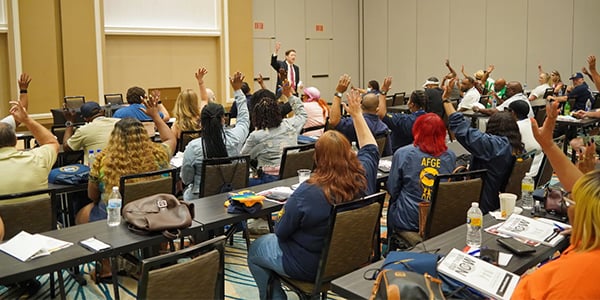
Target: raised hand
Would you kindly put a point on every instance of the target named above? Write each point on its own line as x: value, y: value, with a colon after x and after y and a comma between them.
x: 354, y: 99
x: 543, y: 135
x: 277, y: 47
x: 236, y: 80
x: 286, y: 88
x: 447, y: 63
x: 591, y: 60
x: 343, y: 83
x: 490, y: 68
x: 70, y: 114
x: 151, y: 105
x: 200, y: 75
x: 448, y: 88
x: 18, y: 112
x: 587, y: 157
x: 584, y: 70
x: 24, y: 81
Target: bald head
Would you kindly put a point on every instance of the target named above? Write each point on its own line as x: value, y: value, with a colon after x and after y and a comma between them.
x: 499, y: 84
x: 370, y: 103
x: 513, y: 88
x: 8, y: 138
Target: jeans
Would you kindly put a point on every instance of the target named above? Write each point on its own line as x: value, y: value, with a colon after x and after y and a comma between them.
x: 264, y: 258
x: 265, y: 178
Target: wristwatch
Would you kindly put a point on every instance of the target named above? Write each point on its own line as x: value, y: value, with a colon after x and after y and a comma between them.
x: 338, y: 94
x: 68, y: 124
x: 446, y: 101
x: 383, y: 92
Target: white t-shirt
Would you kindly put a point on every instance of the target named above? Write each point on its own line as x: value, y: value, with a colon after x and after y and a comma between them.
x: 530, y: 145
x: 538, y: 92
x: 516, y: 97
x: 470, y: 98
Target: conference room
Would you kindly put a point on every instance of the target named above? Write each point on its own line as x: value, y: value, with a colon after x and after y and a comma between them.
x: 100, y: 49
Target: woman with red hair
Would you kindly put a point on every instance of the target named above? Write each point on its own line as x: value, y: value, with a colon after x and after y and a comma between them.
x: 413, y: 170
x: 340, y: 176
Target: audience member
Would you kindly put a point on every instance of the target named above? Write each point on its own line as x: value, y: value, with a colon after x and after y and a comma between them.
x: 217, y: 140
x: 340, y: 176
x: 433, y: 93
x: 135, y: 97
x: 485, y: 83
x: 372, y: 88
x: 471, y: 95
x: 537, y: 94
x: 514, y: 92
x: 187, y: 107
x: 413, y: 170
x: 520, y: 110
x: 572, y: 275
x: 272, y: 133
x: 292, y: 71
x: 400, y: 124
x: 455, y: 89
x: 23, y: 81
x: 92, y: 136
x: 493, y: 150
x: 129, y: 151
x: 233, y: 112
x: 499, y: 91
x: 372, y: 114
x: 555, y: 81
x: 581, y: 92
x: 316, y: 109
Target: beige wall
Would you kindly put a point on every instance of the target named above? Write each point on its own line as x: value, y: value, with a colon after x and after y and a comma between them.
x: 5, y: 94
x: 240, y: 39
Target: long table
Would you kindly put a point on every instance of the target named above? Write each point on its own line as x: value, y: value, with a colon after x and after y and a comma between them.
x: 354, y: 286
x: 210, y: 213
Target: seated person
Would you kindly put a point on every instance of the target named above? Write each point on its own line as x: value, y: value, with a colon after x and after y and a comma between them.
x: 471, y: 95
x: 572, y: 275
x: 493, y: 150
x: 220, y: 141
x: 514, y: 92
x: 129, y: 151
x: 537, y: 94
x: 372, y: 114
x: 316, y: 109
x: 401, y: 124
x: 519, y: 110
x: 340, y: 176
x: 272, y: 133
x: 413, y: 170
x: 135, y: 97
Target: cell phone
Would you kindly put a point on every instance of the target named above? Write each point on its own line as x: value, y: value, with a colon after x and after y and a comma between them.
x: 94, y: 245
x: 515, y: 246
x: 489, y: 255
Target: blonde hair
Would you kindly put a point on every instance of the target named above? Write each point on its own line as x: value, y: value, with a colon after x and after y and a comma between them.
x: 129, y: 151
x: 586, y: 223
x: 187, y: 111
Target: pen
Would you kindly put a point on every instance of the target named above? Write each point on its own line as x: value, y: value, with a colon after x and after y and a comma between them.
x: 559, y: 227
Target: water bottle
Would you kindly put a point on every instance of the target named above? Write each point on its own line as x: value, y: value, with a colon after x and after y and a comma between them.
x: 567, y: 109
x: 474, y: 226
x: 527, y: 187
x: 354, y: 148
x: 113, y: 209
x: 588, y: 105
x: 91, y: 158
x: 494, y: 102
x: 525, y: 89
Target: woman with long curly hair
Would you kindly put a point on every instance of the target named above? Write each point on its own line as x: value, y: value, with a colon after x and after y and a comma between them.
x: 272, y: 133
x: 340, y: 176
x: 129, y: 151
x: 494, y: 150
x: 413, y: 168
x: 574, y: 274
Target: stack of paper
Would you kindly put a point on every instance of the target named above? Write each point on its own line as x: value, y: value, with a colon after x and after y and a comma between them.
x: 491, y: 280
x: 542, y: 231
x: 25, y: 246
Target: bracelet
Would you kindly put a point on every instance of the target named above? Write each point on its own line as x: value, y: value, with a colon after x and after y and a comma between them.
x: 338, y: 94
x: 159, y: 102
x: 22, y: 91
x: 446, y: 101
x: 384, y: 93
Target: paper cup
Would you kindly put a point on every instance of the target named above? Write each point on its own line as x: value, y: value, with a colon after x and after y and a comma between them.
x: 303, y: 175
x: 507, y: 204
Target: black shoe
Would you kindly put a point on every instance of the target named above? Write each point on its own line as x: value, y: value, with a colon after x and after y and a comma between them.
x: 30, y: 287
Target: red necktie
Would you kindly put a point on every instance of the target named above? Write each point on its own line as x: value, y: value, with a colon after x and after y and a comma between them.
x: 292, y: 77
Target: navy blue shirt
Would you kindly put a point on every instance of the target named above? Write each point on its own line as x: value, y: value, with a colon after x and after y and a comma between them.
x: 346, y: 126
x: 491, y: 152
x: 302, y: 228
x: 581, y: 93
x: 401, y: 126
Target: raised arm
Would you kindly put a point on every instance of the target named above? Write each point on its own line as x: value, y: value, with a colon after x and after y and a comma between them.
x: 462, y: 70
x: 300, y: 115
x: 261, y: 82
x: 166, y: 135
x: 335, y: 113
x: 42, y: 135
x: 274, y: 62
x: 486, y: 74
x: 203, y: 93
x: 161, y: 108
x: 24, y: 81
x: 593, y: 72
x: 363, y: 133
x: 566, y: 171
x: 385, y: 88
x: 242, y: 124
x: 450, y: 68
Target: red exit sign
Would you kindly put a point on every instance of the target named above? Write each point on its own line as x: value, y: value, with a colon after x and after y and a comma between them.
x: 259, y: 25
x: 319, y: 28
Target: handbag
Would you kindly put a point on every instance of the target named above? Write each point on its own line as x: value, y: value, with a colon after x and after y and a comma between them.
x: 555, y: 203
x: 159, y: 213
x: 396, y: 285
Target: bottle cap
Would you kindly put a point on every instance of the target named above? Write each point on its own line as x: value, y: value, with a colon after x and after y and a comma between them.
x: 474, y: 204
x: 90, y: 151
x: 115, y: 188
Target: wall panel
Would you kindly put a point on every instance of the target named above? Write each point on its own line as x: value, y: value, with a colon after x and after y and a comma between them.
x: 376, y: 41
x: 401, y: 61
x: 467, y: 35
x: 345, y: 42
x: 432, y: 39
x: 585, y: 34
x: 4, y: 76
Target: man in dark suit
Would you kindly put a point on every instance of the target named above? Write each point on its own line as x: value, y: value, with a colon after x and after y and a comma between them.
x: 292, y: 71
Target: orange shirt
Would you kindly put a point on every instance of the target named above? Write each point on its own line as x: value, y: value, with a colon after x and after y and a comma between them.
x: 574, y: 275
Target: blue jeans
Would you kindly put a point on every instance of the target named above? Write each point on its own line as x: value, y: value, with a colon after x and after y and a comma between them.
x: 265, y: 178
x: 264, y: 258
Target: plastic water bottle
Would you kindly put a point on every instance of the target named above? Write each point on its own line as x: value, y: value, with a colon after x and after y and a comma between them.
x: 525, y: 89
x: 527, y: 187
x: 567, y: 109
x: 113, y: 209
x: 91, y: 158
x: 494, y: 102
x: 474, y: 226
x: 588, y: 105
x: 354, y: 148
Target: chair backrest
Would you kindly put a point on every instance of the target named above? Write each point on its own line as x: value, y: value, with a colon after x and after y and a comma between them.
x: 381, y: 140
x: 35, y: 213
x: 450, y: 200
x: 389, y: 100
x: 150, y: 128
x: 185, y: 137
x: 349, y: 241
x: 296, y: 157
x: 312, y: 128
x: 136, y: 186
x: 521, y: 165
x: 74, y: 102
x: 596, y: 101
x: 113, y: 99
x: 540, y: 115
x: 546, y: 170
x: 163, y: 277
x: 399, y: 98
x: 58, y: 117
x: 224, y: 173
